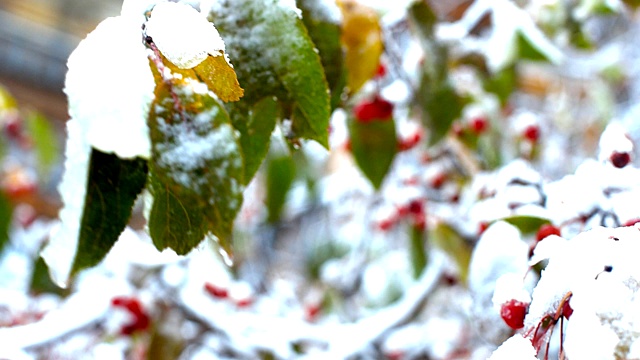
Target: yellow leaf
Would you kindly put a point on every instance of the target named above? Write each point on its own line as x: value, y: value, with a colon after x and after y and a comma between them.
x: 362, y: 39
x: 220, y: 77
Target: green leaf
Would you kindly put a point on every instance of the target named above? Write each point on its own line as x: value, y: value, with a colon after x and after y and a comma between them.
x: 417, y: 251
x: 301, y: 128
x: 527, y: 50
x: 502, y: 83
x: 441, y: 105
x: 6, y: 211
x: 526, y: 224
x: 451, y: 242
x: 112, y: 187
x: 280, y: 173
x: 45, y: 141
x: 325, y: 34
x: 423, y: 17
x: 255, y: 125
x: 374, y: 145
x: 41, y: 280
x: 196, y: 168
x: 274, y: 56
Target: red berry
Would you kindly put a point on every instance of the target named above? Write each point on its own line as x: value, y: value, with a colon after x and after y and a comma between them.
x: 216, y: 291
x: 244, y: 302
x: 546, y: 230
x: 419, y: 222
x: 382, y: 71
x: 416, y: 207
x: 532, y: 133
x: 479, y: 125
x: 395, y: 355
x: 482, y: 227
x: 376, y: 109
x: 13, y: 128
x: 438, y: 180
x: 410, y: 142
x: 513, y: 313
x: 620, y: 160
x: 141, y: 320
x: 311, y: 312
x: 386, y: 224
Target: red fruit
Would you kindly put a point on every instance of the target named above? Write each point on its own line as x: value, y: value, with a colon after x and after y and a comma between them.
x: 620, y: 160
x: 141, y: 320
x: 244, y: 302
x: 216, y: 291
x: 376, y: 109
x: 419, y: 222
x: 311, y: 312
x: 386, y: 224
x: 17, y: 183
x: 513, y: 313
x: 395, y: 355
x: 416, y: 207
x: 13, y: 128
x: 410, y: 142
x: 382, y: 71
x: 482, y: 227
x: 438, y: 180
x: 479, y: 125
x: 532, y: 133
x: 546, y: 230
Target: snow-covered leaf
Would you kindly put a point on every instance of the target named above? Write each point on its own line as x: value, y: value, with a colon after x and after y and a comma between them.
x: 276, y: 57
x: 374, y: 145
x: 196, y: 167
x: 113, y: 185
x: 441, y: 105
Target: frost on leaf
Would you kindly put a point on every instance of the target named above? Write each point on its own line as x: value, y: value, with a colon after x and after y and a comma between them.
x: 109, y: 86
x: 196, y: 168
x: 276, y: 57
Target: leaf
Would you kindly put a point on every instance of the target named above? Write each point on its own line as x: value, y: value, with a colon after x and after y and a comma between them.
x: 280, y: 174
x: 417, y: 251
x: 502, y: 83
x: 275, y: 56
x: 255, y: 127
x: 441, y: 106
x: 45, y: 141
x: 301, y: 128
x: 528, y: 50
x: 220, y: 77
x: 41, y: 280
x: 374, y: 145
x: 451, y: 242
x: 526, y: 224
x: 362, y: 39
x: 112, y: 187
x: 325, y: 33
x: 196, y: 168
x: 6, y: 211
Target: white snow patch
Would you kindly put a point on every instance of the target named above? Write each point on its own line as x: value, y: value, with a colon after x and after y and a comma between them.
x: 516, y: 347
x: 110, y: 88
x: 60, y: 252
x: 183, y: 35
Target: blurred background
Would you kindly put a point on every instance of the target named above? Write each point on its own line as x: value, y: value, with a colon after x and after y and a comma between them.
x: 36, y: 38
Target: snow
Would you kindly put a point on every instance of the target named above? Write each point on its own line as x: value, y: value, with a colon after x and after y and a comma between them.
x: 183, y: 35
x: 110, y: 86
x: 516, y: 347
x: 614, y: 138
x: 510, y: 287
x: 60, y: 251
